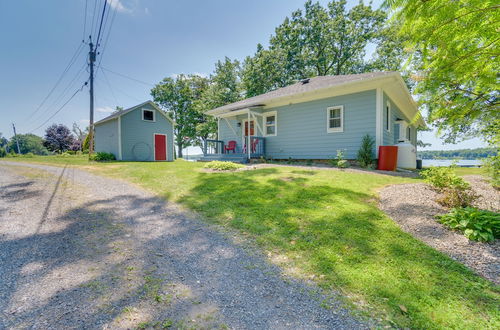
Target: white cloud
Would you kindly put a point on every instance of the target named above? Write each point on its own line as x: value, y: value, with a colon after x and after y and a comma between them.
x: 200, y: 74
x: 118, y: 6
x: 104, y: 109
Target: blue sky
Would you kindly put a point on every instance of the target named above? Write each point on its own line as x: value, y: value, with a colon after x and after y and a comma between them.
x: 150, y: 40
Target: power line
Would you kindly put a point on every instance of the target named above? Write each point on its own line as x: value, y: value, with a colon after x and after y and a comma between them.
x: 110, y: 87
x: 85, y: 21
x: 124, y: 76
x: 62, y: 107
x: 71, y: 62
x: 93, y: 16
x: 100, y: 25
x: 61, y: 95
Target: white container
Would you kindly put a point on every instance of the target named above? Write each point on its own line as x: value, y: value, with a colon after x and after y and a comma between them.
x: 407, y: 155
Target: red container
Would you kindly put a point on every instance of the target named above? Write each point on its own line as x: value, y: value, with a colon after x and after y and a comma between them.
x: 387, y: 158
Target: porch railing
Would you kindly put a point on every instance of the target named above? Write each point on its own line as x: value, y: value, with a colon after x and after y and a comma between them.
x: 258, y: 146
x: 212, y: 147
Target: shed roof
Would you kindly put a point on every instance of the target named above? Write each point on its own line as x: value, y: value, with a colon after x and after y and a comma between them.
x: 122, y: 112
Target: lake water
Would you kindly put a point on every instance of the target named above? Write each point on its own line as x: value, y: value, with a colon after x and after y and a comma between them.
x: 448, y: 162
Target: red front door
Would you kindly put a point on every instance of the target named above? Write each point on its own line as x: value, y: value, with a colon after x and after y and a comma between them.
x: 252, y: 132
x: 160, y: 147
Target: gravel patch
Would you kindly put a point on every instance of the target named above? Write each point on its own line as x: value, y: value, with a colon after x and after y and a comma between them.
x: 82, y: 251
x: 413, y: 207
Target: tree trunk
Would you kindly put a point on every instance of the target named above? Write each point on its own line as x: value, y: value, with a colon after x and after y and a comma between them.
x: 179, y: 148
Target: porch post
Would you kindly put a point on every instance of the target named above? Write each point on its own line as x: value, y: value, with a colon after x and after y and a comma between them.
x: 248, y: 135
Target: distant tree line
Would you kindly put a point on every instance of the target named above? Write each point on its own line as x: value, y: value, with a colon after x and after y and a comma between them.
x: 58, y: 138
x: 458, y: 153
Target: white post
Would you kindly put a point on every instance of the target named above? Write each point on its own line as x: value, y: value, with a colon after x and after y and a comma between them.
x: 248, y: 135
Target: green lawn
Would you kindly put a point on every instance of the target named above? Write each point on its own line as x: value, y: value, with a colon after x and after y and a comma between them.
x: 326, y: 225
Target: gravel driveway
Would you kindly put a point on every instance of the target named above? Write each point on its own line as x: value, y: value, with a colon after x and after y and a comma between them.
x: 82, y: 251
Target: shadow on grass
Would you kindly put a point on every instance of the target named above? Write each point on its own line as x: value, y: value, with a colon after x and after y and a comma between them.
x: 338, y: 233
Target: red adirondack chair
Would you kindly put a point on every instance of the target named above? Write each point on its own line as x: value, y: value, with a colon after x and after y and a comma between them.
x: 231, y: 145
x: 255, y: 142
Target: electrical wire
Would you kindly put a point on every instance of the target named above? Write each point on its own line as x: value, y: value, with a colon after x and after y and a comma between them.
x: 124, y: 76
x: 62, y: 107
x: 100, y: 25
x: 109, y: 85
x: 71, y: 62
x: 85, y: 21
x: 60, y: 96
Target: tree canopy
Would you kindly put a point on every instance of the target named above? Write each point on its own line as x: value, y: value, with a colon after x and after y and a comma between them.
x: 178, y: 96
x: 457, y: 43
x: 28, y: 143
x: 58, y: 138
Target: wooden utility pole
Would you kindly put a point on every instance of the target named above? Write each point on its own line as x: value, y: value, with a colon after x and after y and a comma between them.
x: 92, y: 57
x: 15, y: 136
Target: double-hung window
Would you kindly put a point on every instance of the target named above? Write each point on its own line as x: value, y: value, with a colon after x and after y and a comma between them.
x: 270, y: 123
x: 335, y: 119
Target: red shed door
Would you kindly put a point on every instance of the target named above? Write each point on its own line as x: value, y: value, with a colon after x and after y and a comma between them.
x: 160, y: 147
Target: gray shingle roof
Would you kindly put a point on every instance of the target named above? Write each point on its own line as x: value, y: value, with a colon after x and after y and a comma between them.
x: 315, y: 83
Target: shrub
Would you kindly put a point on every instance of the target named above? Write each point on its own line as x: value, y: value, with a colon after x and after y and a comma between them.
x: 476, y: 225
x: 3, y: 153
x: 365, y: 152
x: 455, y: 191
x: 102, y: 156
x: 492, y: 165
x: 29, y: 155
x: 223, y: 166
x: 343, y: 163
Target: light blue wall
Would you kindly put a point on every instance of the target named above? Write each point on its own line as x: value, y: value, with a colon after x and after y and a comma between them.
x: 392, y: 137
x: 106, y: 137
x: 138, y: 135
x: 302, y: 128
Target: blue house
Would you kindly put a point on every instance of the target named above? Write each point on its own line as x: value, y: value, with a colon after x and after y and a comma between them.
x: 141, y: 133
x: 315, y: 117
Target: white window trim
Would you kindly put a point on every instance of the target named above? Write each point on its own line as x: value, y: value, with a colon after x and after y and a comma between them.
x: 264, y: 125
x: 335, y: 129
x: 154, y: 115
x: 387, y: 119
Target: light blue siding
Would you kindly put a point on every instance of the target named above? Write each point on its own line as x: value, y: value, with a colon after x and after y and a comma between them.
x: 391, y: 137
x: 302, y: 128
x: 106, y: 137
x: 138, y: 135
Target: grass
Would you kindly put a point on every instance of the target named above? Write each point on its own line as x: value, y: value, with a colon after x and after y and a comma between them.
x: 326, y: 225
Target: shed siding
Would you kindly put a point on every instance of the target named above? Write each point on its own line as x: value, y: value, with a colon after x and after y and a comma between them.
x: 138, y: 135
x: 392, y: 137
x: 106, y: 137
x: 302, y: 128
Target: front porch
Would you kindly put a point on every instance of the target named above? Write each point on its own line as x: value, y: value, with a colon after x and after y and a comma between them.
x: 240, y: 136
x: 232, y: 151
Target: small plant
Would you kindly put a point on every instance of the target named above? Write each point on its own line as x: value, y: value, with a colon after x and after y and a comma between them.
x: 365, y: 152
x: 289, y: 161
x: 29, y: 155
x: 309, y: 162
x: 476, y: 225
x: 455, y: 191
x: 339, y: 160
x: 3, y: 153
x: 223, y: 166
x: 102, y: 156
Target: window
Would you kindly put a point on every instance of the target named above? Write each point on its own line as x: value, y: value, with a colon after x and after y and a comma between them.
x: 148, y: 115
x: 270, y: 124
x: 388, y: 116
x: 408, y: 133
x: 335, y: 117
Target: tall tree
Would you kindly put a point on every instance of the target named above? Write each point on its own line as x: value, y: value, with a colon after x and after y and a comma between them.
x: 315, y: 41
x: 28, y: 143
x: 458, y: 82
x: 224, y: 87
x: 177, y: 96
x: 58, y: 138
x: 3, y: 141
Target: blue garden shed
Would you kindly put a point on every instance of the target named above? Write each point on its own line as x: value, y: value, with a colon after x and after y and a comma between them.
x: 141, y: 133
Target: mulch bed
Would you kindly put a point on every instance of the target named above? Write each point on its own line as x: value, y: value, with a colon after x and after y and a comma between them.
x: 413, y: 208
